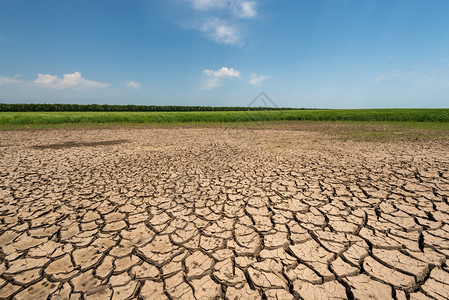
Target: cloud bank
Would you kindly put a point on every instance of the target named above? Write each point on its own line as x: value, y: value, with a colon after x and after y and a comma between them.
x: 74, y: 80
x: 10, y: 80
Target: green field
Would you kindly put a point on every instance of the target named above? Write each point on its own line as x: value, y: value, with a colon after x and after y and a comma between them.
x: 12, y: 119
x: 382, y: 125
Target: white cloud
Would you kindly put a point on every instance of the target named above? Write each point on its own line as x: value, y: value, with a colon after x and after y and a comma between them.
x: 133, y: 84
x: 238, y: 8
x: 257, y: 80
x: 221, y: 32
x: 10, y: 80
x: 47, y: 80
x: 222, y: 20
x: 208, y: 4
x: 246, y: 9
x: 223, y: 73
x: 213, y: 79
x: 74, y: 80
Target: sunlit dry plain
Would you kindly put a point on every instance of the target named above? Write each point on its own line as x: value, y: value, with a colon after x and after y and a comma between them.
x: 262, y: 212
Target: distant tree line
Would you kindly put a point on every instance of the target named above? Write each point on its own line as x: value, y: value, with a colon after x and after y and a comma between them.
x: 27, y: 107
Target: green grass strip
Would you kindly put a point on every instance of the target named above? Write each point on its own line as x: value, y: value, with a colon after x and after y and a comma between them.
x: 372, y: 115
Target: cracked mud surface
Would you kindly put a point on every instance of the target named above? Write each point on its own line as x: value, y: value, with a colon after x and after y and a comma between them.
x: 209, y: 213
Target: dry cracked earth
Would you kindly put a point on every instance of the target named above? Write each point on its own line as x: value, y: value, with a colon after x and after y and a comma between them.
x: 215, y: 213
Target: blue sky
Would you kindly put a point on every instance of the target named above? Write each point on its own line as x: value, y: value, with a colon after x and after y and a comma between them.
x: 302, y: 53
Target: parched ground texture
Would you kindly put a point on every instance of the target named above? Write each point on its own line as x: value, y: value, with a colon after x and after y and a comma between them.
x: 205, y: 213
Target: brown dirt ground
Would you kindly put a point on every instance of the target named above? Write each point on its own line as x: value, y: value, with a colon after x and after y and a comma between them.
x: 205, y: 213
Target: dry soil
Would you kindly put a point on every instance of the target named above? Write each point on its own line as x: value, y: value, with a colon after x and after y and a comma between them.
x: 204, y: 213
